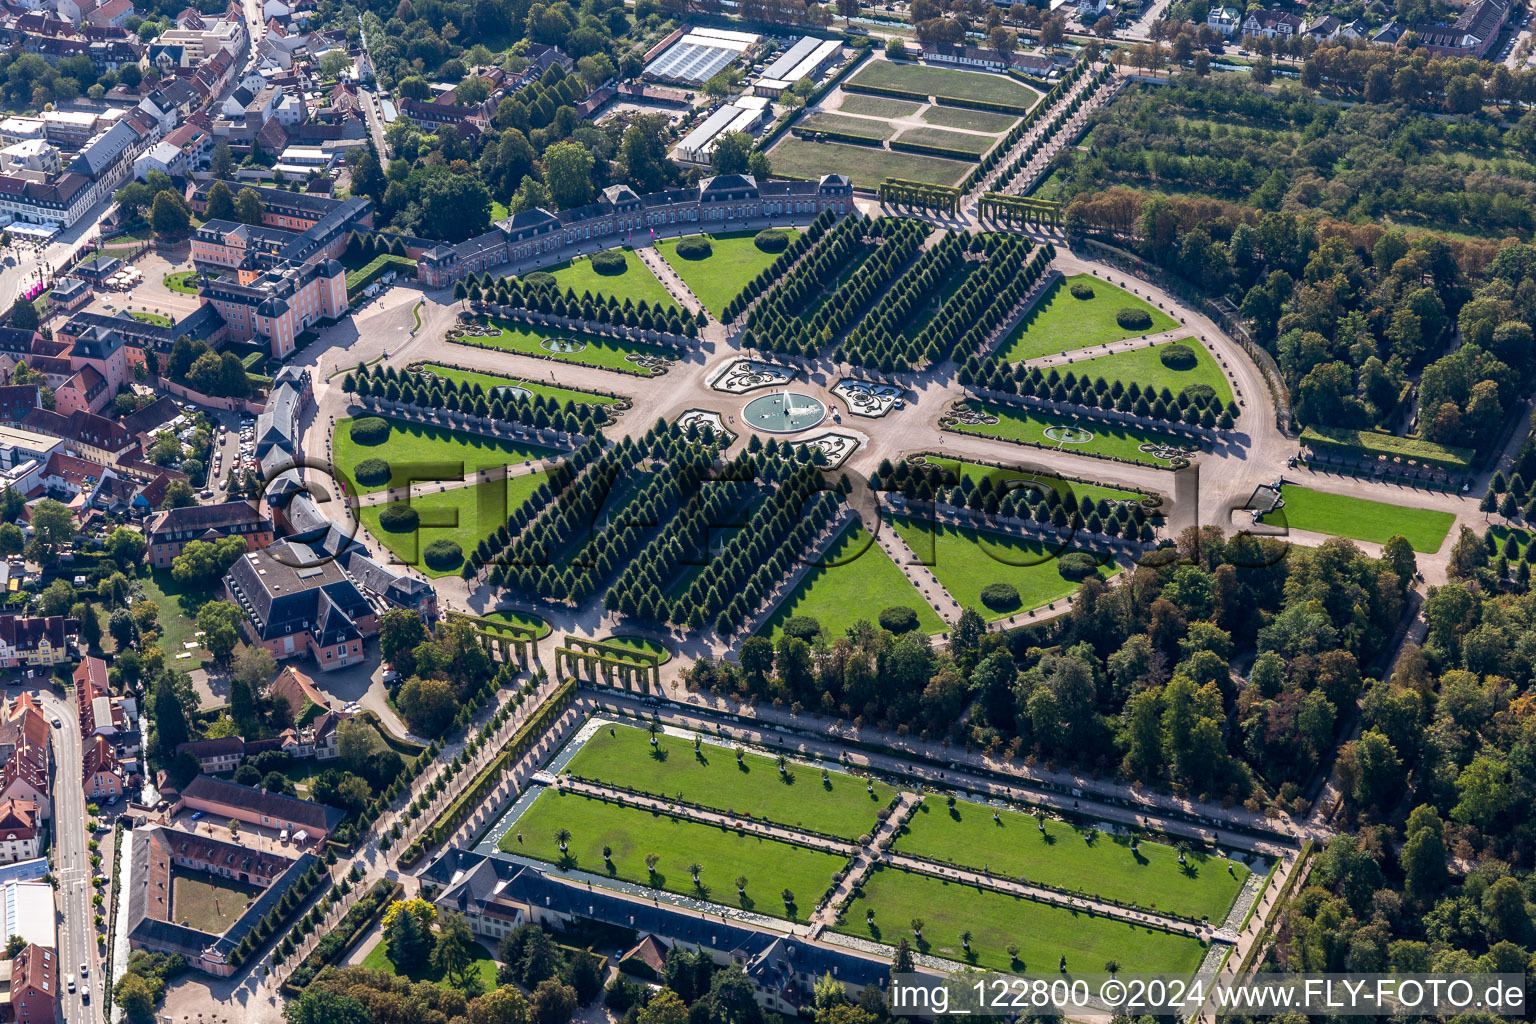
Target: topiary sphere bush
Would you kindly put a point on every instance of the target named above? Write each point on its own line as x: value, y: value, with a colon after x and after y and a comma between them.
x: 399, y: 518
x: 1000, y: 597
x: 898, y: 619
x: 443, y: 554
x: 1200, y: 395
x: 371, y: 472
x: 1076, y: 565
x: 1133, y: 319
x: 802, y: 626
x: 771, y: 240
x: 1177, y: 357
x: 370, y: 430
x: 695, y: 247
x: 538, y: 279
x: 1082, y: 290
x: 610, y: 263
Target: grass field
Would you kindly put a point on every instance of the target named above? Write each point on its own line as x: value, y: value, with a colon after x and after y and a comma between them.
x: 178, y: 606
x: 636, y: 282
x: 1061, y: 323
x: 464, y: 514
x: 494, y: 380
x: 713, y: 778
x: 854, y: 580
x: 378, y: 960
x: 1361, y: 519
x: 966, y: 85
x: 606, y: 353
x: 1026, y: 425
x: 1090, y: 492
x: 878, y: 106
x: 1145, y: 366
x: 207, y: 902
x: 862, y: 127
x: 769, y: 867
x: 964, y: 117
x: 1061, y: 856
x: 865, y: 165
x: 1043, y: 932
x: 734, y: 260
x: 973, y: 144
x: 966, y: 560
x: 422, y: 452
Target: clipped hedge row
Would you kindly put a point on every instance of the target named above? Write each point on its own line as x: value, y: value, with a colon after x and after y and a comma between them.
x: 833, y: 135
x: 996, y: 106
x: 887, y: 90
x: 352, y: 926
x: 931, y: 149
x: 364, y: 276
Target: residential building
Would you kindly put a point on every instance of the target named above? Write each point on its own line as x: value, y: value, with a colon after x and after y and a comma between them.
x: 170, y: 531
x: 1272, y: 23
x: 35, y: 641
x: 314, y: 609
x: 215, y: 756
x: 34, y: 985
x: 20, y: 837
x: 1226, y: 20
x: 103, y: 776
x: 304, y: 820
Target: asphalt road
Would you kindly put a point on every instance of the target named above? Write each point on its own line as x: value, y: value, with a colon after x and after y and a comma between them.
x: 71, y: 864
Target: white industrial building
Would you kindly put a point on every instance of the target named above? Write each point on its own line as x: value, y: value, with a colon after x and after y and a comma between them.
x: 743, y: 114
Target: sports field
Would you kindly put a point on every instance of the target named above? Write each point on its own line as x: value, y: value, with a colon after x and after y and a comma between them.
x: 465, y: 515
x: 734, y: 260
x: 1023, y: 424
x: 946, y: 82
x: 636, y: 282
x: 590, y: 350
x: 1042, y: 932
x: 1145, y: 366
x: 1062, y: 856
x: 966, y: 560
x: 490, y: 381
x: 854, y: 580
x: 752, y: 787
x: 1361, y: 518
x: 1061, y: 322
x: 417, y: 451
x: 865, y: 165
x: 768, y: 866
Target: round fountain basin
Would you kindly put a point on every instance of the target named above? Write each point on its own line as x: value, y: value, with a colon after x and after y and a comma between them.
x: 783, y: 412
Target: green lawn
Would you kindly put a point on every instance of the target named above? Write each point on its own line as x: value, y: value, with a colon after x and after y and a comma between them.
x: 182, y: 281
x: 1027, y: 425
x: 636, y: 282
x: 146, y: 317
x: 769, y: 867
x: 640, y: 646
x: 713, y: 778
x: 734, y: 260
x: 464, y: 514
x: 1000, y: 475
x: 1061, y: 856
x: 854, y: 580
x: 1043, y: 932
x: 1360, y: 518
x: 964, y: 117
x: 178, y: 607
x: 966, y: 560
x: 865, y: 165
x: 1060, y: 322
x: 942, y: 82
x: 207, y: 902
x: 418, y: 451
x: 499, y: 211
x: 495, y: 380
x: 527, y: 620
x: 975, y: 145
x: 605, y: 353
x: 1145, y: 366
x: 878, y: 106
x: 860, y: 126
x: 378, y: 960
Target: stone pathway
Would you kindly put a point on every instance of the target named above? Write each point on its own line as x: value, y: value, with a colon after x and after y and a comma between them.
x: 867, y: 857
x: 669, y: 278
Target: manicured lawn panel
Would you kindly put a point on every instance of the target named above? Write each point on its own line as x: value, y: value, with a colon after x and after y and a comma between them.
x: 1043, y: 932
x: 527, y: 620
x: 209, y: 903
x: 605, y: 353
x: 1027, y: 425
x: 712, y: 778
x: 1361, y: 518
x: 1061, y: 856
x: 1145, y: 366
x: 966, y: 560
x: 1061, y: 323
x: 976, y: 472
x: 495, y: 380
x: 414, y: 448
x: 968, y: 85
x: 865, y: 165
x: 769, y: 866
x: 637, y: 282
x: 854, y: 580
x: 718, y: 278
x: 878, y: 106
x: 640, y: 646
x: 378, y: 960
x: 860, y: 126
x: 974, y: 144
x: 463, y: 514
x: 964, y: 117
